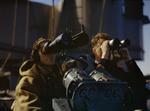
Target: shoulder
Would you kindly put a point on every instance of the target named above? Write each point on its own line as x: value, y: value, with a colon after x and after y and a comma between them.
x: 27, y: 83
x: 27, y: 80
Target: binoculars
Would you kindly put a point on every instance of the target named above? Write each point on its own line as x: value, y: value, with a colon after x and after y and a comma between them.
x: 116, y: 44
x: 66, y: 41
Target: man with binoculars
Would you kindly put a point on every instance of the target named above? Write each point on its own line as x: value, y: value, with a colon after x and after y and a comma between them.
x: 117, y: 61
x: 40, y: 81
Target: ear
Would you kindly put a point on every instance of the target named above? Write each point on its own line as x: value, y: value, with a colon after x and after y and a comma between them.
x: 35, y: 56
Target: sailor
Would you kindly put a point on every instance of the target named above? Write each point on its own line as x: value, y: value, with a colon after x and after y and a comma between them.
x: 40, y: 81
x: 121, y: 66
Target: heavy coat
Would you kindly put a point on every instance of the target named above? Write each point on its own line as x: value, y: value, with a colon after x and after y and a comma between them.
x: 36, y: 88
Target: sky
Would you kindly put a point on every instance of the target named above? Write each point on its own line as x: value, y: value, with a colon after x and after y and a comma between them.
x: 49, y: 2
x: 145, y: 64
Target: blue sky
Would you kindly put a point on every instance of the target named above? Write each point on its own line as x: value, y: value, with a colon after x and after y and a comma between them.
x: 49, y: 2
x: 145, y: 64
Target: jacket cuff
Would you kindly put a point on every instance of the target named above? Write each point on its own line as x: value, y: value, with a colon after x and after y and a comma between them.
x: 103, y: 62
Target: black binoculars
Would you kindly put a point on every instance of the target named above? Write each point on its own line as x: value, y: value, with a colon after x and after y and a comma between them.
x: 116, y: 44
x: 66, y: 41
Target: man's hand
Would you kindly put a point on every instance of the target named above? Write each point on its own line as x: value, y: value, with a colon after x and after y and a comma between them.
x: 124, y: 52
x: 105, y: 50
x: 101, y: 50
x: 47, y: 59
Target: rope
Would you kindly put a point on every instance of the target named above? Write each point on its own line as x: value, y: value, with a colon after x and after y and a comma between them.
x: 83, y: 16
x: 13, y: 35
x: 51, y: 27
x: 53, y: 18
x: 102, y: 16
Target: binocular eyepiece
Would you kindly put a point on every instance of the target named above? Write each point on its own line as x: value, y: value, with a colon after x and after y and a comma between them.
x: 116, y: 44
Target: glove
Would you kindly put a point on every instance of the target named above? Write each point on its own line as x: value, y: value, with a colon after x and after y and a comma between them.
x: 68, y: 65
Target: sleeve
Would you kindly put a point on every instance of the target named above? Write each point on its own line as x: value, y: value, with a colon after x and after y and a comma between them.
x: 137, y: 82
x: 104, y: 62
x: 136, y: 75
x: 27, y: 95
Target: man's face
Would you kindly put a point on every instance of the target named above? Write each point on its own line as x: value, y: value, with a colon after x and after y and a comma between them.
x: 47, y: 59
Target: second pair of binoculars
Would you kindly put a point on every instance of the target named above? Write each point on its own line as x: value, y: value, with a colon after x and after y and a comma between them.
x: 116, y: 44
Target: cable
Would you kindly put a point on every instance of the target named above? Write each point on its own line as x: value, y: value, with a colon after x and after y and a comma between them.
x: 53, y: 17
x: 102, y: 16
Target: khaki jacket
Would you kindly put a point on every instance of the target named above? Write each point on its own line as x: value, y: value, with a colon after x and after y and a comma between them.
x: 36, y: 88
